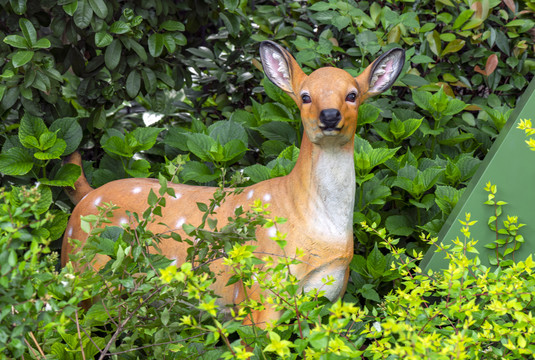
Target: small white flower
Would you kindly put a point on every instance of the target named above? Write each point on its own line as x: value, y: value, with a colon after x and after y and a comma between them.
x: 377, y: 326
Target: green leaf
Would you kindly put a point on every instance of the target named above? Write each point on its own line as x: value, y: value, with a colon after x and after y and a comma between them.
x: 462, y: 18
x: 42, y: 44
x: 376, y: 262
x: 156, y: 44
x: 399, y: 225
x: 119, y: 27
x: 70, y: 8
x: 421, y: 59
x: 116, y: 145
x: 367, y: 114
x: 232, y: 23
x: 69, y: 130
x: 18, y: 6
x: 28, y: 31
x: 16, y: 41
x: 278, y: 130
x: 83, y: 14
x: 16, y: 161
x: 22, y: 57
x: 172, y: 25
x: 103, y: 39
x: 200, y: 145
x: 145, y: 138
x: 225, y: 131
x: 257, y: 172
x: 149, y: 79
x: 66, y: 176
x: 112, y: 56
x: 369, y: 293
x: 139, y: 169
x: 53, y: 152
x: 133, y: 83
x: 233, y: 151
x: 453, y: 46
x: 99, y: 8
x: 454, y: 106
x: 31, y: 126
x: 198, y: 172
x: 422, y: 99
x: 433, y: 40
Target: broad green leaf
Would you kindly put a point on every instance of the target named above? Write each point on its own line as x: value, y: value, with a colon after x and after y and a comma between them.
x: 169, y: 43
x: 367, y: 114
x: 16, y: 41
x: 28, y: 31
x: 16, y: 161
x: 421, y: 59
x: 99, y: 8
x: 116, y: 145
x: 376, y: 262
x: 462, y: 18
x: 172, y: 25
x: 453, y: 46
x: 66, y: 176
x: 70, y: 8
x: 22, y: 57
x: 18, y: 6
x: 98, y: 117
x: 83, y: 14
x: 232, y: 23
x: 320, y: 6
x: 139, y: 169
x: 454, y: 106
x: 198, y: 172
x: 291, y: 153
x: 2, y: 91
x: 133, y: 83
x: 149, y: 80
x: 200, y: 145
x: 233, y: 151
x: 103, y: 39
x: 422, y: 99
x: 119, y: 27
x: 369, y: 293
x: 31, y: 126
x: 47, y: 140
x: 69, y: 130
x: 138, y: 49
x: 53, y: 152
x: 257, y: 172
x: 112, y: 55
x: 278, y: 130
x: 399, y: 225
x: 145, y: 137
x: 225, y: 131
x: 42, y: 43
x: 433, y: 40
x: 156, y: 44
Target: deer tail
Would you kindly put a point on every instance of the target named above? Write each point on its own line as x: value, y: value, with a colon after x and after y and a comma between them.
x: 81, y: 186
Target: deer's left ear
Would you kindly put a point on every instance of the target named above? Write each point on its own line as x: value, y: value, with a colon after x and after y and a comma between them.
x: 382, y: 73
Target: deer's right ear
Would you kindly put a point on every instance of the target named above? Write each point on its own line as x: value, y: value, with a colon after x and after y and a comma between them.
x: 280, y: 67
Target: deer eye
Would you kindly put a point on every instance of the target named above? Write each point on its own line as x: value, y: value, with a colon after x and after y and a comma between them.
x: 306, y: 99
x: 351, y: 97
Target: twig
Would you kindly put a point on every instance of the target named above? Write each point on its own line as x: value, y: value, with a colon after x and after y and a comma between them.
x: 164, y: 343
x: 79, y: 335
x: 37, y: 344
x: 120, y: 328
x: 31, y: 348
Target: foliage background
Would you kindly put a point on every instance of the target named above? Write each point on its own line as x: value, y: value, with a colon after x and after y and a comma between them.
x: 93, y: 74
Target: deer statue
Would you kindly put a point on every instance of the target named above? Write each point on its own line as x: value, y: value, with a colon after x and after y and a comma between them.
x: 316, y: 198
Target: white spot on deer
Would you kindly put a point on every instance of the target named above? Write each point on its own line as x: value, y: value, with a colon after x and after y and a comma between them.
x: 266, y: 197
x: 181, y: 221
x: 236, y: 293
x: 69, y: 231
x: 136, y: 190
x: 176, y: 197
x: 250, y: 194
x: 272, y: 231
x: 123, y: 221
x: 174, y: 260
x: 97, y: 201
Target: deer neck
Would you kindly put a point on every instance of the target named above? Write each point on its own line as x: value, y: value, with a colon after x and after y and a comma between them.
x: 323, y: 187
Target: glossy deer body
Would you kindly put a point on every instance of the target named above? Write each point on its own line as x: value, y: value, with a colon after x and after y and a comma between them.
x: 316, y: 198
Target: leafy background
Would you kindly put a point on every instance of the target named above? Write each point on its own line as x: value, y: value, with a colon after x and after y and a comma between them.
x: 133, y: 84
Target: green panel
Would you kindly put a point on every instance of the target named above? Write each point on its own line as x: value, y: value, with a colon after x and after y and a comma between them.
x: 510, y: 165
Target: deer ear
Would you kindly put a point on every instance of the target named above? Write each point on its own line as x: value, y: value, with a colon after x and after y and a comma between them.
x: 280, y: 67
x: 383, y: 72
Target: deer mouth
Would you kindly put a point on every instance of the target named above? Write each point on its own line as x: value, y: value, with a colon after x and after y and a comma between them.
x: 330, y: 130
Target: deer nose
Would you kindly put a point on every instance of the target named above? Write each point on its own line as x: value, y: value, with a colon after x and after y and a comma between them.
x: 330, y: 118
